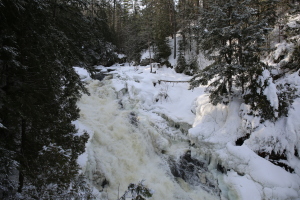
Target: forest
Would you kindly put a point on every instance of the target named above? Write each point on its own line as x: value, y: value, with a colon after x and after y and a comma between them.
x: 42, y: 40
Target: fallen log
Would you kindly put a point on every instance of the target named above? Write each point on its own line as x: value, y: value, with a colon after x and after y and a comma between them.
x: 159, y: 81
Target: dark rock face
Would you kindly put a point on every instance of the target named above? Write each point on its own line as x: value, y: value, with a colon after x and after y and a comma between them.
x: 194, y: 172
x: 99, y: 180
x: 133, y: 119
x: 104, y: 183
x: 240, y: 141
x: 145, y: 62
x: 99, y: 76
x: 277, y: 159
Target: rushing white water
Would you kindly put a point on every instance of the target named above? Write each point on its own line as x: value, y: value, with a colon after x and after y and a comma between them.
x: 127, y: 146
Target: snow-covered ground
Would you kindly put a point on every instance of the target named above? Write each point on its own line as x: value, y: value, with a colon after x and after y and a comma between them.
x: 138, y: 123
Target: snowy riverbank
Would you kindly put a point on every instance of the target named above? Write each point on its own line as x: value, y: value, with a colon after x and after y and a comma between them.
x: 142, y: 128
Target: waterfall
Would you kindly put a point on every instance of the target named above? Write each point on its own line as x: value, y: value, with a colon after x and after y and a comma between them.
x: 128, y: 145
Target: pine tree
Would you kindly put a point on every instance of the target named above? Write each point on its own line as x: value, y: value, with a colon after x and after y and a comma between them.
x: 137, y: 192
x: 181, y: 62
x: 232, y: 35
x: 39, y: 44
x: 188, y: 11
x: 189, y: 67
x: 157, y: 26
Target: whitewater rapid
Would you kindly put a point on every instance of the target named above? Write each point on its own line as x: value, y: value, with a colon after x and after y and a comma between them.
x: 126, y: 147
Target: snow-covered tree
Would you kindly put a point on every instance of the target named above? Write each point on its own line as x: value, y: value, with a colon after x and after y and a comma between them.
x: 137, y: 192
x: 233, y: 34
x: 40, y: 41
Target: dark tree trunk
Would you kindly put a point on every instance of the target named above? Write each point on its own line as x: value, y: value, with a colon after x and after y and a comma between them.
x: 174, y: 24
x: 22, y: 156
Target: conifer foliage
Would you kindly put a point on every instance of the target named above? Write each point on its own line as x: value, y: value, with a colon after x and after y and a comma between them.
x: 40, y: 41
x: 233, y: 34
x: 137, y: 192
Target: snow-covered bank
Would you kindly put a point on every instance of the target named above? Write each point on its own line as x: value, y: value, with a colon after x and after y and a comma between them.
x: 138, y: 125
x: 152, y: 93
x: 248, y: 176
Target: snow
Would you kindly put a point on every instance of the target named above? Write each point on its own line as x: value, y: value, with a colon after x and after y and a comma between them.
x: 262, y: 173
x: 122, y: 152
x: 245, y: 188
x: 270, y: 91
x: 1, y: 126
x: 81, y: 129
x: 83, y: 73
x: 216, y: 129
x: 146, y: 54
x: 121, y: 56
x: 215, y: 125
x: 140, y: 85
x: 294, y: 21
x: 101, y: 68
x: 213, y: 130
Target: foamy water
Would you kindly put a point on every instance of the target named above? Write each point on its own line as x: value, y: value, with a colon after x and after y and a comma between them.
x: 120, y: 153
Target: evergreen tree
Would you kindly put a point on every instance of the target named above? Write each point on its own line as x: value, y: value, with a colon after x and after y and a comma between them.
x: 157, y: 26
x: 137, y: 29
x: 137, y: 192
x: 188, y: 11
x: 181, y: 62
x: 134, y: 36
x: 189, y: 67
x: 232, y: 35
x: 39, y: 44
x: 292, y: 33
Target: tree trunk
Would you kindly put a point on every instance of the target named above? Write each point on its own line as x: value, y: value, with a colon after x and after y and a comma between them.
x: 149, y: 48
x: 183, y: 42
x: 93, y: 8
x: 22, y: 156
x: 205, y: 4
x: 114, y: 15
x: 55, y: 9
x: 174, y: 24
x: 190, y: 35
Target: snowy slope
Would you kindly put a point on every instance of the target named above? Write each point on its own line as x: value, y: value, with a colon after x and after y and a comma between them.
x: 249, y: 173
x: 162, y: 109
